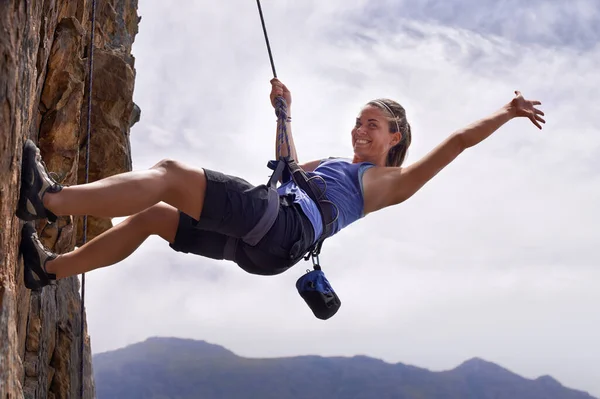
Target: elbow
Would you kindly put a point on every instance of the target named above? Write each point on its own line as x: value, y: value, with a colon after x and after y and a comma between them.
x: 460, y: 141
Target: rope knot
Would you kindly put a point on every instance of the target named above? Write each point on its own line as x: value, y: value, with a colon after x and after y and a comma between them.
x: 281, y: 109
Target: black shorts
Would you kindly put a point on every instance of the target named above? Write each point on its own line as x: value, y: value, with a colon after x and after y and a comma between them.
x: 232, y: 207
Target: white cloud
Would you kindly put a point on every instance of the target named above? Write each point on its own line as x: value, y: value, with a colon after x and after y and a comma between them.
x: 495, y: 258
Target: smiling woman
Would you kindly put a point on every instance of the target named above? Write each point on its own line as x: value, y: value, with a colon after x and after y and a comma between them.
x: 394, y: 116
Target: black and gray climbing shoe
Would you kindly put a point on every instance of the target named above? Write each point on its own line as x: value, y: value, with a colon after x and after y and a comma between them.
x: 35, y: 182
x: 35, y: 257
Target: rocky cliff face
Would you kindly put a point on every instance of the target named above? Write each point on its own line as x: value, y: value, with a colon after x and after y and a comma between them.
x: 44, y: 47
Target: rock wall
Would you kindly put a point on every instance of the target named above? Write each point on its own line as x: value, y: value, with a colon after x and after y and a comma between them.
x: 44, y: 48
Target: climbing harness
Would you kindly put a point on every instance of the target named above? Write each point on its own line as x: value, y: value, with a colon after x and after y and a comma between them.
x: 313, y: 287
x: 87, y: 177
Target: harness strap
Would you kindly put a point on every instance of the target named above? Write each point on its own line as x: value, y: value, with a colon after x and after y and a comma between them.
x: 317, y: 194
x: 278, y: 168
x: 259, y: 230
x: 266, y: 221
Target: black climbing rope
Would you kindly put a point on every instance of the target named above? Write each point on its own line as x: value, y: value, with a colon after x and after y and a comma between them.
x: 262, y: 20
x: 87, y: 176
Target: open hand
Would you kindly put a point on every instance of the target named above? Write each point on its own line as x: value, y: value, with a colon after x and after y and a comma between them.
x: 278, y: 89
x: 526, y: 108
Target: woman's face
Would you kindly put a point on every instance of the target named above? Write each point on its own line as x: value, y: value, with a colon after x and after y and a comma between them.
x: 371, y: 138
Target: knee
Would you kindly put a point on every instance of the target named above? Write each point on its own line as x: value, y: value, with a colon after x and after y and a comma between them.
x: 179, y: 175
x: 160, y: 219
x: 168, y: 165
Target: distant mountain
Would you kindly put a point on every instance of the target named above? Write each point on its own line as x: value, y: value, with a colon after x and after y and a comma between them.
x: 172, y: 368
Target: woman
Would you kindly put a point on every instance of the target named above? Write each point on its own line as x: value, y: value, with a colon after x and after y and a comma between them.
x: 208, y: 213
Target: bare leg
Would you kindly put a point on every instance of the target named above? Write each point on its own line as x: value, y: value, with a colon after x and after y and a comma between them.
x: 117, y: 243
x: 129, y: 193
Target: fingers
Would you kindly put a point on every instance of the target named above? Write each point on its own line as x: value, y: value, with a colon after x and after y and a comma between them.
x: 277, y: 82
x: 536, y: 119
x: 528, y: 109
x: 277, y: 87
x: 539, y: 118
x: 532, y: 119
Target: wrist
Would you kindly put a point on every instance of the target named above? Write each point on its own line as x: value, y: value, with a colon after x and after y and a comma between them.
x: 288, y: 118
x: 510, y: 110
x: 288, y: 114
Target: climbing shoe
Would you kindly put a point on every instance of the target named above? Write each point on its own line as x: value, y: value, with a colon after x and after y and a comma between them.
x: 35, y: 257
x: 35, y: 182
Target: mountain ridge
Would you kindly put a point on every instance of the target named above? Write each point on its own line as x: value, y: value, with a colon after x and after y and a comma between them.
x: 169, y: 367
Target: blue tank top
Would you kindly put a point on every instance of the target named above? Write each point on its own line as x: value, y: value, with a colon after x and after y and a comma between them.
x: 344, y: 188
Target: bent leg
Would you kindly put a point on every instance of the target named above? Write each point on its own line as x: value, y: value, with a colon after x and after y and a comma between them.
x: 128, y: 193
x: 117, y: 243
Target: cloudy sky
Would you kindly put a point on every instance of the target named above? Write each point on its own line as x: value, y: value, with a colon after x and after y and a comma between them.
x: 495, y: 258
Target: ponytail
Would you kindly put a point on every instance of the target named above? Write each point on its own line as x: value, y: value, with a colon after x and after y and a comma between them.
x: 397, y: 154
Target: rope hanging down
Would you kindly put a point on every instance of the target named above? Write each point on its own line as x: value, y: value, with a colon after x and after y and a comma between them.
x: 87, y: 177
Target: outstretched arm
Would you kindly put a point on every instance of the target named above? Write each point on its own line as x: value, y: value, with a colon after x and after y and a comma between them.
x: 482, y: 129
x: 405, y: 182
x: 278, y: 89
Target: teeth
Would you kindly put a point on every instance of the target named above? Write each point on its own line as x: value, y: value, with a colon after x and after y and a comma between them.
x: 361, y: 141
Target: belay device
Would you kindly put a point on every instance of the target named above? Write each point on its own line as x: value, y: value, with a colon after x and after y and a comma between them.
x: 313, y: 286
